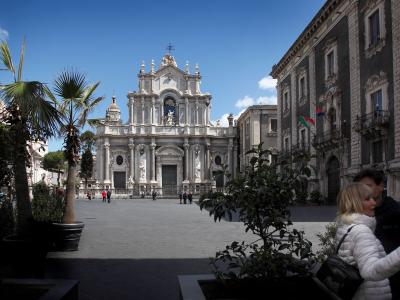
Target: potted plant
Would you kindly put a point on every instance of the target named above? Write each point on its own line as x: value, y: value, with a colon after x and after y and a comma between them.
x: 279, y: 262
x: 47, y: 208
x: 77, y: 103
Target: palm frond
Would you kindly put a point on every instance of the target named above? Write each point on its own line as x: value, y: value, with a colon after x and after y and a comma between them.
x: 21, y: 61
x: 6, y: 58
x: 30, y: 98
x: 93, y: 122
x: 70, y: 85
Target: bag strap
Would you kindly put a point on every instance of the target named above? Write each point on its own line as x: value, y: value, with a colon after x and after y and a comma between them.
x: 344, y: 236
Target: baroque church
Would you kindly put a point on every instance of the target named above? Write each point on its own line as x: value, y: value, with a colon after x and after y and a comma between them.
x: 168, y: 144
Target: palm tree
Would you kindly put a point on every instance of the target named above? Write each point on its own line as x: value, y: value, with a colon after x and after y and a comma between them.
x: 31, y: 117
x: 78, y: 102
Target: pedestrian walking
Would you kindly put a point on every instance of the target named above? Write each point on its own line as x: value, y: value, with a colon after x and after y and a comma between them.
x: 104, y: 195
x: 184, y: 197
x: 108, y: 196
x: 154, y: 195
x: 190, y: 197
x: 180, y: 198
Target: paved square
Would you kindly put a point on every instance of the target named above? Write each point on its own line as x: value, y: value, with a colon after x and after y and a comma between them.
x: 135, y: 248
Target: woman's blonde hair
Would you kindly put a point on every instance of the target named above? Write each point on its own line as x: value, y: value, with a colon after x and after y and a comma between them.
x: 350, y: 198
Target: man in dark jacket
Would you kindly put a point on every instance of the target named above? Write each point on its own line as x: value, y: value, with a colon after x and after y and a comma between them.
x: 108, y: 196
x: 387, y: 215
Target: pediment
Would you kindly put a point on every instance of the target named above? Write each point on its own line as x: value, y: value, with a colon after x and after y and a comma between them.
x: 169, y: 151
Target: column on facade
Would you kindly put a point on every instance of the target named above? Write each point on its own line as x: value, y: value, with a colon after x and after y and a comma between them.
x: 153, y: 159
x: 293, y: 107
x: 186, y: 147
x: 186, y: 111
x: 107, y: 161
x: 230, y: 148
x: 197, y: 113
x: 208, y: 162
x: 131, y: 111
x: 278, y: 116
x: 142, y: 110
x: 153, y: 111
x: 131, y: 146
x: 355, y: 88
x: 235, y: 150
x: 207, y: 114
x: 396, y: 79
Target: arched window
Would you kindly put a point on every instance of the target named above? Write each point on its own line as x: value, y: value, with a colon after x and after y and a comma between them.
x: 170, y: 111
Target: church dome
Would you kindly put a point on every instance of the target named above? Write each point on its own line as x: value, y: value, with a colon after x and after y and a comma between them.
x: 113, y: 105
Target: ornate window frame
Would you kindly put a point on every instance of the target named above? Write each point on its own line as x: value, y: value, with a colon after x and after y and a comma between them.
x: 371, y: 7
x: 302, y: 128
x: 331, y: 48
x: 285, y: 100
x: 375, y: 83
x: 302, y: 75
x: 270, y: 125
x: 333, y: 99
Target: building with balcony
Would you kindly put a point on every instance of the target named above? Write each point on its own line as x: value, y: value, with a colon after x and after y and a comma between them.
x: 257, y: 124
x: 339, y: 92
x: 168, y: 142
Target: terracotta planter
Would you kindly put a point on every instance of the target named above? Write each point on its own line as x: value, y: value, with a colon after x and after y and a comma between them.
x: 23, y: 257
x: 67, y: 236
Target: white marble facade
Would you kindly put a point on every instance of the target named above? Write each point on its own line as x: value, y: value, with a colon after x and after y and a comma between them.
x: 168, y: 137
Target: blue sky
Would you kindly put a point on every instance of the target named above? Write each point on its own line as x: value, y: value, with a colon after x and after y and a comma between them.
x: 235, y: 43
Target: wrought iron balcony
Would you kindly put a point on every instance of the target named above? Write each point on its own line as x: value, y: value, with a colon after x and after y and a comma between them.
x: 330, y: 139
x: 373, y: 125
x: 301, y: 147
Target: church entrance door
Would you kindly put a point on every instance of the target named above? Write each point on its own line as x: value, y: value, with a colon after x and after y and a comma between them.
x: 169, y: 179
x: 333, y: 172
x: 120, y: 180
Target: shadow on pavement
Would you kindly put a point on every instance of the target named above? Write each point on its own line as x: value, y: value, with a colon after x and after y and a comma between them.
x: 120, y: 279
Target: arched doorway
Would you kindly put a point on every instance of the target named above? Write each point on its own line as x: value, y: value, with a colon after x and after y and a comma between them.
x: 333, y: 174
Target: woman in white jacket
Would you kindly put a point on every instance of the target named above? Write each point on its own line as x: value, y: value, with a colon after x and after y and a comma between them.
x: 361, y: 247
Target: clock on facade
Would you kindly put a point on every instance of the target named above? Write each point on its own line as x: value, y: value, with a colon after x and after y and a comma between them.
x: 120, y: 160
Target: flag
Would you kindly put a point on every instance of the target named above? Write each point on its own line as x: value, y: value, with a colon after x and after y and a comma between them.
x: 319, y: 111
x: 304, y: 122
x: 310, y: 120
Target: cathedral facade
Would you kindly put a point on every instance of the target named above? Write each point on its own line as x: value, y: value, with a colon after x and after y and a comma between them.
x: 169, y: 143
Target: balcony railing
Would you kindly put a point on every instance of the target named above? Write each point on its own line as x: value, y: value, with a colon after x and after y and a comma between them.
x: 374, y: 124
x: 330, y: 139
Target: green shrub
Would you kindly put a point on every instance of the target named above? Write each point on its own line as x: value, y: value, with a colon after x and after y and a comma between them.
x: 47, y: 205
x: 327, y: 242
x: 261, y: 197
x: 316, y: 197
x: 7, y: 217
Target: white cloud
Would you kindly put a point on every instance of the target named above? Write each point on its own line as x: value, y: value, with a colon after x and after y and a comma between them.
x: 3, y: 34
x: 267, y: 100
x: 267, y: 83
x: 245, y: 102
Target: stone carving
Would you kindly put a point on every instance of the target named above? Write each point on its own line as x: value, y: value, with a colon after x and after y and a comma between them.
x: 197, y: 165
x: 170, y: 118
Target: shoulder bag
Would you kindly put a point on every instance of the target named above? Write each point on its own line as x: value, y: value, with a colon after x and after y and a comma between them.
x: 339, y: 276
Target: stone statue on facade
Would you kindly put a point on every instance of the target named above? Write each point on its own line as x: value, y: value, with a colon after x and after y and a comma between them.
x: 197, y: 165
x: 142, y: 167
x: 170, y: 118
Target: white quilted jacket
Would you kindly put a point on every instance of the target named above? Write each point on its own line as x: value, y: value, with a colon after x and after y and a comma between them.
x: 363, y: 249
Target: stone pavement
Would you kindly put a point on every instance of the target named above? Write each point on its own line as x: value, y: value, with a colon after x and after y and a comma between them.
x: 135, y: 248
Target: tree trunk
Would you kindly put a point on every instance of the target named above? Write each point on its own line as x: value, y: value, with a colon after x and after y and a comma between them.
x: 69, y: 212
x: 58, y: 177
x: 24, y: 208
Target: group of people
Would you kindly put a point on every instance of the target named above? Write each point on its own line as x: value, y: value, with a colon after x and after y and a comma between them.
x: 373, y: 244
x: 185, y: 197
x: 106, y: 195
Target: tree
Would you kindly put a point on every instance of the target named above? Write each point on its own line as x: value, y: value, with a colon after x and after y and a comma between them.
x: 5, y: 156
x: 54, y: 161
x: 32, y: 116
x: 87, y: 166
x: 87, y: 139
x: 78, y: 102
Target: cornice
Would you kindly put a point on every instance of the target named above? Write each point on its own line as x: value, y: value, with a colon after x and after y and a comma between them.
x: 306, y: 35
